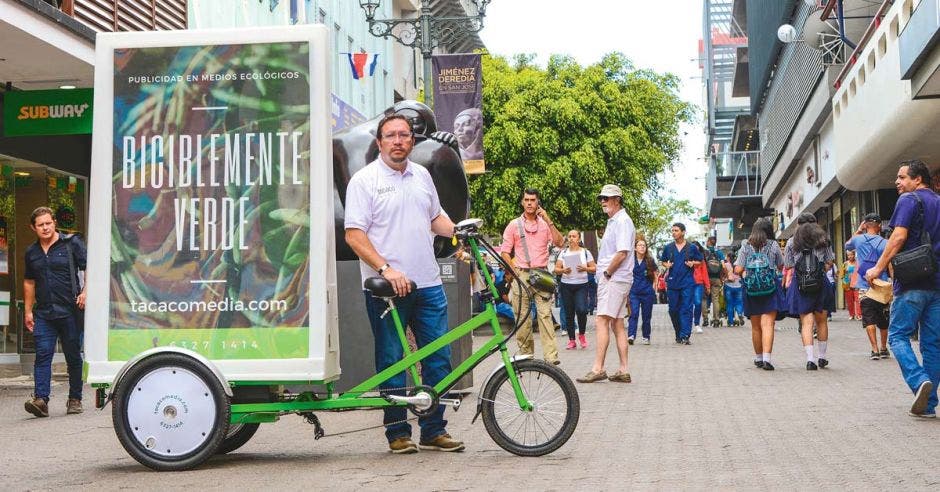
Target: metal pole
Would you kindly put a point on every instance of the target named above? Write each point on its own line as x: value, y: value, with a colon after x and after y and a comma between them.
x: 427, y: 47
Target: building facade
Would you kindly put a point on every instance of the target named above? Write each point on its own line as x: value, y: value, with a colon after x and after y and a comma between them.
x: 47, y: 59
x: 839, y: 105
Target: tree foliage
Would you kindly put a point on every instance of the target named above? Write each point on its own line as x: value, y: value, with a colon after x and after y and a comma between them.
x: 567, y: 130
x: 662, y: 210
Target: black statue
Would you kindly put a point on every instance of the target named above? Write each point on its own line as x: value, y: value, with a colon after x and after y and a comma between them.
x: 355, y: 147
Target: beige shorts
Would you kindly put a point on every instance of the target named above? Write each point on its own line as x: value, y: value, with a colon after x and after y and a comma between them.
x: 612, y: 298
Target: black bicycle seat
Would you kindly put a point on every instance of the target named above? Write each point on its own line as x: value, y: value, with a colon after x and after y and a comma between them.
x: 379, y: 287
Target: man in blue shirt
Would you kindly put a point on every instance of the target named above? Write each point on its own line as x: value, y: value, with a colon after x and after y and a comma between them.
x: 680, y: 258
x: 868, y: 246
x: 916, y: 303
x: 50, y: 298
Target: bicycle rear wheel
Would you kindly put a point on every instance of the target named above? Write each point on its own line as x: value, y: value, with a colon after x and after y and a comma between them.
x: 552, y: 419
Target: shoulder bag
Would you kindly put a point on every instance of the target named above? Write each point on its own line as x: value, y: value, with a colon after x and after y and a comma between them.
x: 539, y: 278
x: 920, y: 263
x: 73, y: 277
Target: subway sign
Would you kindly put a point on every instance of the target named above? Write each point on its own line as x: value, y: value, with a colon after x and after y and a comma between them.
x: 49, y: 112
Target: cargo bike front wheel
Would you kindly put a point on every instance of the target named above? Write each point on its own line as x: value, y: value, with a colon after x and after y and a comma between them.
x: 170, y: 412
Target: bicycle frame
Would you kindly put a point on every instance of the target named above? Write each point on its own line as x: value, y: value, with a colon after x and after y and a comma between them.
x: 354, y: 398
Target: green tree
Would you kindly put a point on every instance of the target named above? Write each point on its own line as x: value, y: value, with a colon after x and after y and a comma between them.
x: 663, y: 210
x: 567, y: 130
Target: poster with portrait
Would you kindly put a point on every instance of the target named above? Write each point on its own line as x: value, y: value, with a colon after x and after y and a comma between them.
x: 458, y: 105
x: 210, y: 200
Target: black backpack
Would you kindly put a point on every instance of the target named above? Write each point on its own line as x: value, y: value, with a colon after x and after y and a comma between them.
x: 809, y: 273
x: 712, y: 264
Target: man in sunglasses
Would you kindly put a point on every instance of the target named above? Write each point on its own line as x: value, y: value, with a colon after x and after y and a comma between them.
x: 614, y: 279
x: 392, y: 214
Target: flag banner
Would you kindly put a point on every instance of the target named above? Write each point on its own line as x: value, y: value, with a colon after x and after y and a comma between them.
x: 362, y: 64
x: 211, y: 184
x: 458, y: 104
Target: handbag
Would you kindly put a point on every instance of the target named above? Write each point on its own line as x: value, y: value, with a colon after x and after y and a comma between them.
x: 920, y: 263
x: 539, y: 278
x: 79, y: 314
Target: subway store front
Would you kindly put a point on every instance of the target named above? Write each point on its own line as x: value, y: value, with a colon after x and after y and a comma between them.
x: 45, y: 159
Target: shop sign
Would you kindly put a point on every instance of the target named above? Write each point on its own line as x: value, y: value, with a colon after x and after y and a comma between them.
x: 50, y: 112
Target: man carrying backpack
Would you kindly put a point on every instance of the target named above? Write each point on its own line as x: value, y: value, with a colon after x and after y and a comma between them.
x: 912, y: 250
x: 714, y: 258
x: 868, y: 246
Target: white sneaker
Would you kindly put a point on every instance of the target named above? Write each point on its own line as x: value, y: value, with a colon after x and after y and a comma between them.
x: 698, y: 329
x: 646, y: 341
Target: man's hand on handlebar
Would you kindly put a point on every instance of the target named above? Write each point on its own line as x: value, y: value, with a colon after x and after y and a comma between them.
x: 398, y: 280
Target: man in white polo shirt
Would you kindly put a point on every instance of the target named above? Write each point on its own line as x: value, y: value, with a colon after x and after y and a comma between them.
x: 392, y: 215
x: 614, y: 279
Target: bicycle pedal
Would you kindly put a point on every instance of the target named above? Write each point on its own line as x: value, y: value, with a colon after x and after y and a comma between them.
x: 454, y: 403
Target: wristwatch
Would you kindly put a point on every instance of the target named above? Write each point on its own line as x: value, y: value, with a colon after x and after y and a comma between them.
x: 606, y: 274
x: 383, y: 268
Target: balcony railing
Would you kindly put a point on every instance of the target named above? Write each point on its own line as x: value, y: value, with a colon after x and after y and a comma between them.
x: 126, y: 15
x: 733, y: 175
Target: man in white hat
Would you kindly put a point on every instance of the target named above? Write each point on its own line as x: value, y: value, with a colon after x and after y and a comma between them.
x: 868, y: 246
x: 614, y: 279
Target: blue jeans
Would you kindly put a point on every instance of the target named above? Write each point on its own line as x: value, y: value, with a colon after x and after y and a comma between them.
x: 680, y: 310
x: 734, y: 302
x: 697, y: 294
x: 574, y: 302
x: 45, y: 333
x: 425, y: 311
x: 907, y: 311
x: 638, y: 303
x: 592, y: 293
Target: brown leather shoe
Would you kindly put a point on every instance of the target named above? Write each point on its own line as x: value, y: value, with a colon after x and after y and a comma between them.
x: 442, y: 442
x: 620, y: 377
x: 593, y: 377
x: 403, y: 445
x: 37, y: 407
x: 73, y: 406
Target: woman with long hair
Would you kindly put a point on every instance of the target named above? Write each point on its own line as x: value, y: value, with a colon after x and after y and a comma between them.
x: 734, y: 292
x: 848, y: 274
x: 642, y: 294
x: 573, y: 264
x: 809, y: 254
x: 759, y: 260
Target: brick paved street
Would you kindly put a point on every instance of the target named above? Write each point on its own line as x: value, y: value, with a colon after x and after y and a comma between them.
x: 697, y: 417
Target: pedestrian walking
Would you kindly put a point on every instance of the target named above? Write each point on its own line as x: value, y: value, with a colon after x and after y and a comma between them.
x: 680, y: 259
x: 573, y: 264
x: 528, y: 238
x: 392, y: 214
x: 867, y: 245
x: 615, y: 262
x: 734, y: 292
x: 642, y: 295
x: 53, y: 305
x: 848, y: 273
x: 702, y: 285
x: 808, y: 290
x: 915, y: 240
x: 760, y: 260
x: 714, y: 259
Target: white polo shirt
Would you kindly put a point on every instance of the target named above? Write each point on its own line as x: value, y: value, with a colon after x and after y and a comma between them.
x: 620, y: 235
x: 395, y: 210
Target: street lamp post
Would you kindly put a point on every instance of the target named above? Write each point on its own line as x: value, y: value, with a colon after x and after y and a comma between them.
x: 424, y: 31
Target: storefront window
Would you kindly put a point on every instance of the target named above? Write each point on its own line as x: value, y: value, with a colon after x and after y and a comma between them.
x: 24, y: 186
